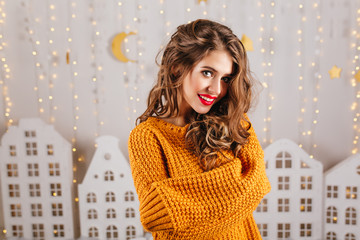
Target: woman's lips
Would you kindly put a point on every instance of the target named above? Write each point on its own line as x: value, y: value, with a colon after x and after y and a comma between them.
x: 206, y: 99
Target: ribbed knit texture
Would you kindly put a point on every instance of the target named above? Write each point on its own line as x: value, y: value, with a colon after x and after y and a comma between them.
x: 178, y: 200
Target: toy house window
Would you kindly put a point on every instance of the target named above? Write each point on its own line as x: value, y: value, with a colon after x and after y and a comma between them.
x: 34, y: 190
x: 130, y: 213
x: 129, y: 196
x: 111, y: 232
x: 283, y: 160
x: 54, y: 169
x: 15, y: 210
x: 109, y: 176
x: 305, y: 230
x: 331, y: 215
x: 17, y: 231
x: 57, y: 209
x: 33, y: 169
x: 332, y: 191
x: 350, y: 216
x: 283, y: 183
x: 331, y: 236
x: 93, y: 232
x: 351, y: 192
x: 50, y: 149
x: 58, y: 230
x: 283, y: 205
x: 283, y: 230
x: 350, y: 236
x: 263, y: 206
x: 14, y: 190
x: 31, y: 148
x: 92, y: 214
x: 358, y: 170
x: 306, y: 183
x: 12, y: 170
x: 38, y: 231
x: 304, y: 165
x: 30, y: 134
x: 12, y: 150
x: 55, y: 189
x: 263, y: 228
x: 91, y: 198
x: 110, y: 213
x: 110, y: 197
x: 130, y: 232
x: 36, y: 210
x: 305, y: 205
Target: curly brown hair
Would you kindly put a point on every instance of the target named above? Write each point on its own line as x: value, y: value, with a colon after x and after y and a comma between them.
x: 222, y: 128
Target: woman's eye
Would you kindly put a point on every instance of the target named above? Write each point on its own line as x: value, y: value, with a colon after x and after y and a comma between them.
x: 207, y: 73
x: 226, y: 79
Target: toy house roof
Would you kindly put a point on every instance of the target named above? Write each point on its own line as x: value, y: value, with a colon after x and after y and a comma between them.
x: 349, y: 166
x: 30, y: 124
x: 107, y: 156
x: 293, y: 149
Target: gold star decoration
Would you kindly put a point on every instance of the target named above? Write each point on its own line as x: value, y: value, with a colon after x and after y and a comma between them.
x: 335, y: 72
x: 199, y: 1
x: 357, y: 76
x: 247, y: 42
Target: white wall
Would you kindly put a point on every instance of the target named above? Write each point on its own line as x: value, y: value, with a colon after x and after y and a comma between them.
x: 333, y: 134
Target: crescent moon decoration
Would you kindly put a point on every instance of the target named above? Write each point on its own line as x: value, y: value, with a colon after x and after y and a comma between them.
x: 116, y: 46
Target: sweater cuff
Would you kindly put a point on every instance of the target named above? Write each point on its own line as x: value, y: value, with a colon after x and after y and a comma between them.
x: 153, y: 212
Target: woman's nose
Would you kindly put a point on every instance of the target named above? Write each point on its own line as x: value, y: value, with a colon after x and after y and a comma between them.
x: 215, y: 86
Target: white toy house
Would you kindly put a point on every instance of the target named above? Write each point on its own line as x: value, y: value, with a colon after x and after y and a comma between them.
x: 293, y: 208
x: 107, y: 198
x: 342, y: 200
x: 36, y: 182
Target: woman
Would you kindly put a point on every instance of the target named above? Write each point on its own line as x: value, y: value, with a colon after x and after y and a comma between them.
x: 196, y: 162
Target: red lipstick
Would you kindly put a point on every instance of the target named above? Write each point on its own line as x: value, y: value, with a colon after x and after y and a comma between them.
x: 206, y: 99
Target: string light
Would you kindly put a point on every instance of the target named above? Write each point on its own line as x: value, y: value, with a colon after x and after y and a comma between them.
x: 30, y: 23
x: 5, y: 74
x: 301, y: 71
x: 52, y: 53
x: 316, y: 76
x: 355, y: 81
x: 267, y: 41
x: 71, y: 60
x: 96, y: 54
x: 224, y: 11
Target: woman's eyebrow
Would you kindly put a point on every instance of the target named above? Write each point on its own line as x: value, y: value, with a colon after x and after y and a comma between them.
x: 211, y: 68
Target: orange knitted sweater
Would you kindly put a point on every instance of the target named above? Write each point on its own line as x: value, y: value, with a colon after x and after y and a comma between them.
x: 178, y: 200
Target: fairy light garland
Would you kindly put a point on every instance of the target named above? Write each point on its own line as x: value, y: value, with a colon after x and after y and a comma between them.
x: 53, y: 54
x: 30, y: 22
x: 267, y: 40
x: 95, y: 62
x: 140, y: 54
x: 203, y: 8
x: 6, y: 71
x: 301, y: 71
x: 355, y: 81
x: 189, y: 9
x: 126, y: 71
x: 72, y: 61
x: 224, y: 11
x: 316, y: 76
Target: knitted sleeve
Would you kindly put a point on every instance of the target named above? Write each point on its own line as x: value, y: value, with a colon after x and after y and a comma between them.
x: 223, y: 196
x: 147, y: 167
